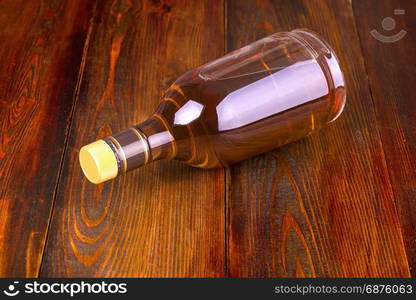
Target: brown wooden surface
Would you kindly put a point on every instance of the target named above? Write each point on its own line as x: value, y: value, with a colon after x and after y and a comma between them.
x: 166, y: 219
x: 392, y: 72
x: 337, y: 203
x: 41, y: 51
x: 323, y: 206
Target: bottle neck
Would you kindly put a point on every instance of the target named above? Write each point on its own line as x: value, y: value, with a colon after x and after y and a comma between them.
x: 149, y: 141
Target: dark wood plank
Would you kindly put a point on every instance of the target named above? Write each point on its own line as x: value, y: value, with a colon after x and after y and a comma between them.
x: 42, y: 44
x: 391, y: 71
x: 322, y: 206
x: 166, y: 219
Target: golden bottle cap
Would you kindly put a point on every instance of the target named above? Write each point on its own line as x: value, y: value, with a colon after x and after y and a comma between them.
x: 98, y: 162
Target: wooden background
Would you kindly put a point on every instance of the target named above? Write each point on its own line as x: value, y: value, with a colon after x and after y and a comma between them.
x: 339, y: 203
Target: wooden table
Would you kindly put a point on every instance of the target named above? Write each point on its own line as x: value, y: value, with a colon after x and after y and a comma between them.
x: 341, y: 202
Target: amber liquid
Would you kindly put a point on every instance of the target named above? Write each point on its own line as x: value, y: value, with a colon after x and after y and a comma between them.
x: 257, y: 98
x: 241, y: 114
x: 250, y: 101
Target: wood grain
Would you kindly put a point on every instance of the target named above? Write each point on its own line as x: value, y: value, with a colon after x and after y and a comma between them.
x: 166, y: 219
x: 391, y: 71
x: 323, y: 206
x: 42, y: 43
x: 339, y: 203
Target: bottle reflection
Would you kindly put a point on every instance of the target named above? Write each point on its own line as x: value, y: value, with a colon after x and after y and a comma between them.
x: 285, y: 89
x: 189, y: 112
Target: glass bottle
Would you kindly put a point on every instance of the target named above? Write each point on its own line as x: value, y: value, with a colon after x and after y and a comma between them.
x: 252, y: 100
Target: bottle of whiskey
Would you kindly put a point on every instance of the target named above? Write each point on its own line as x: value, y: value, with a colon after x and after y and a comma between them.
x: 262, y: 96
